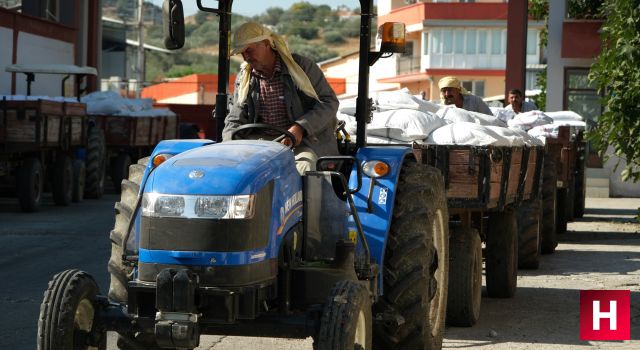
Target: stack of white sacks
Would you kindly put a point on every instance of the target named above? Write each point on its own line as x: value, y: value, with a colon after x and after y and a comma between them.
x: 111, y: 103
x: 400, y: 118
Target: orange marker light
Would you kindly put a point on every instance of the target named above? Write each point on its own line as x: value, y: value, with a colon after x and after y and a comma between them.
x: 375, y: 168
x: 159, y: 159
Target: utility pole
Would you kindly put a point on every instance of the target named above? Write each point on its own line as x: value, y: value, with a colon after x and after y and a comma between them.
x: 140, y: 49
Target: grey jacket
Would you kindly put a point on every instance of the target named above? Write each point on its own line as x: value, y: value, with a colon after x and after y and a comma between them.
x: 476, y: 104
x: 317, y: 118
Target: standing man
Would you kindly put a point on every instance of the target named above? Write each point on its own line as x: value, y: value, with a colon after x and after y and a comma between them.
x: 517, y: 102
x: 452, y: 93
x: 282, y: 89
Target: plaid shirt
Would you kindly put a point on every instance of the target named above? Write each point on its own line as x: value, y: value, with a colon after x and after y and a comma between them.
x: 272, y: 109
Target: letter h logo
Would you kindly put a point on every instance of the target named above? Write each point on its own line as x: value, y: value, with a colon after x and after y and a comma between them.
x: 605, y: 315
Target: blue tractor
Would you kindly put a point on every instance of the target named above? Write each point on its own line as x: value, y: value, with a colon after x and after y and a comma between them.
x: 227, y: 238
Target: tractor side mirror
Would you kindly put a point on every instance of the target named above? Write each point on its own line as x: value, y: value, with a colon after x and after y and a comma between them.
x: 173, y: 23
x: 391, y: 38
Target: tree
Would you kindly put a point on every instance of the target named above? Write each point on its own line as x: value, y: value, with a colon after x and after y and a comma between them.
x: 616, y: 72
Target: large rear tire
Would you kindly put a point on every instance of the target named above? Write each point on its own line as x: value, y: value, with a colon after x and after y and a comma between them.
x: 79, y: 176
x: 465, y: 278
x: 30, y: 184
x: 548, y: 238
x: 62, y: 180
x: 502, y: 254
x: 68, y: 313
x: 346, y: 319
x: 96, y: 162
x: 416, y: 261
x: 529, y: 228
x: 120, y: 170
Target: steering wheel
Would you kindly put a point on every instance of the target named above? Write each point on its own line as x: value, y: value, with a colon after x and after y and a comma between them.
x: 235, y: 134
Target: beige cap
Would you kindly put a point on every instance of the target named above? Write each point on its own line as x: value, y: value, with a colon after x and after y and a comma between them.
x: 247, y: 34
x: 452, y: 82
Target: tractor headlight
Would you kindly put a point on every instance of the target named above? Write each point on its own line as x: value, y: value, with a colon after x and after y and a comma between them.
x: 194, y: 207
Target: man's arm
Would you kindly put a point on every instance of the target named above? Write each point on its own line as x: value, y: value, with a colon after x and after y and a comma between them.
x: 323, y: 114
x: 237, y: 112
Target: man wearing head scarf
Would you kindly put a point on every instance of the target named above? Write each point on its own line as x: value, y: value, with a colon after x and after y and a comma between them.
x: 452, y: 93
x: 282, y: 89
x: 517, y: 102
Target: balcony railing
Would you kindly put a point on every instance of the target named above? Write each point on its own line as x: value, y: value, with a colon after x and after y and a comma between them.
x: 406, y: 65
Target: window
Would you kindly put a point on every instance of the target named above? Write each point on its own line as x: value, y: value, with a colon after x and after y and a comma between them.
x: 581, y: 95
x: 482, y: 41
x: 447, y: 41
x: 425, y: 43
x: 496, y: 42
x: 532, y: 42
x: 435, y: 41
x: 458, y: 41
x: 408, y: 49
x: 476, y: 87
x: 471, y: 42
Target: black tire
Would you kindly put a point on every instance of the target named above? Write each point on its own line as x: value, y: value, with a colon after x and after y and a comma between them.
x: 121, y: 274
x: 62, y: 180
x: 529, y: 228
x: 96, y: 161
x: 346, y: 319
x: 79, y: 176
x: 68, y: 313
x: 465, y: 277
x: 30, y: 184
x: 120, y: 170
x: 416, y: 262
x: 502, y: 254
x: 561, y: 210
x: 548, y: 237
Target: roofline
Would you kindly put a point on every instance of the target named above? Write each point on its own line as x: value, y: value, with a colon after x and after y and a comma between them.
x: 148, y: 47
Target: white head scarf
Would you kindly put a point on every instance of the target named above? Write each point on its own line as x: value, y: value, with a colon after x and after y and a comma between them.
x: 252, y: 32
x: 452, y: 82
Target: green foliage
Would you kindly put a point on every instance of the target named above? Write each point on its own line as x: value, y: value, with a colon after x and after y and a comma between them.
x: 302, y: 47
x: 270, y: 17
x: 616, y: 72
x: 584, y: 9
x: 333, y: 37
x: 350, y: 27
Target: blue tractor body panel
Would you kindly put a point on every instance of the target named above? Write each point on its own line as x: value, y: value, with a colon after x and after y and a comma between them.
x: 376, y: 223
x: 231, y: 168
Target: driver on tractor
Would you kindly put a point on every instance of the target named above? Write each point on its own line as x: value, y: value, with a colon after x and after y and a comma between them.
x: 284, y: 90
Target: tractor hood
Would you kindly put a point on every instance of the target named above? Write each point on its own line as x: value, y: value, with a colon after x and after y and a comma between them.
x: 228, y: 168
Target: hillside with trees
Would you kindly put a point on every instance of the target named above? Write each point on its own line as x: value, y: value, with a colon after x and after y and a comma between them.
x: 316, y: 31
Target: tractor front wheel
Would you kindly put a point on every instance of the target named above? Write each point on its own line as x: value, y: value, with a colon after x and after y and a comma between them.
x: 68, y: 314
x: 346, y: 319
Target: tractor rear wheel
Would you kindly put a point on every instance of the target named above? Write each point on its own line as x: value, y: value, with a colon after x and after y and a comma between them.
x: 502, y: 254
x: 548, y: 237
x: 79, y: 174
x: 346, y: 319
x: 68, y: 313
x: 561, y: 210
x: 529, y: 224
x: 96, y: 161
x: 465, y: 277
x: 62, y: 180
x: 120, y: 170
x: 30, y: 184
x: 416, y: 262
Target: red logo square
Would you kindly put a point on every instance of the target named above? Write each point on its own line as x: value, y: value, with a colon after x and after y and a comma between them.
x: 605, y: 315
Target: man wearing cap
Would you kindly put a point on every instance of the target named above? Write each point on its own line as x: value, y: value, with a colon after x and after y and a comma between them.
x: 282, y: 89
x: 452, y: 93
x: 517, y: 102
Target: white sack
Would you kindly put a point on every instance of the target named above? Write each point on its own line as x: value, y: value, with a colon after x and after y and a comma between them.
x: 403, y: 124
x: 528, y: 120
x: 459, y: 115
x: 565, y: 115
x: 528, y: 139
x: 503, y: 114
x: 402, y: 99
x: 466, y: 134
x: 512, y: 137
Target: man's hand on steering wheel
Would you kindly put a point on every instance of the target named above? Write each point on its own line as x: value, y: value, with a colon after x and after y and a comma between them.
x: 297, y: 131
x: 287, y: 137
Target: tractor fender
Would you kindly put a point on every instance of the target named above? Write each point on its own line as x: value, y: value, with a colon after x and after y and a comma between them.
x: 377, y: 221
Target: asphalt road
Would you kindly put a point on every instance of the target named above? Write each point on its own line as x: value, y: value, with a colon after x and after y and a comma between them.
x: 600, y: 251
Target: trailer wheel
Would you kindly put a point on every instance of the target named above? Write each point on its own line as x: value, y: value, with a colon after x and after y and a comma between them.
x: 96, y: 162
x: 79, y: 174
x: 580, y: 188
x: 529, y: 225
x: 346, y: 319
x: 29, y: 184
x: 502, y: 254
x: 465, y: 277
x: 62, y: 180
x: 548, y: 238
x: 120, y: 170
x: 67, y: 314
x: 416, y: 262
x: 561, y: 210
